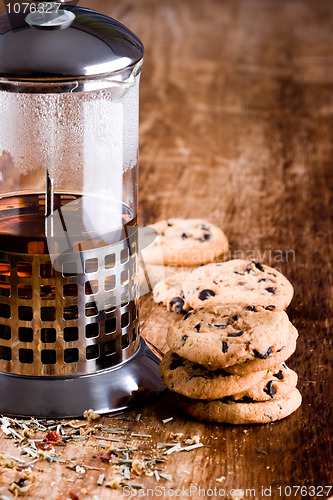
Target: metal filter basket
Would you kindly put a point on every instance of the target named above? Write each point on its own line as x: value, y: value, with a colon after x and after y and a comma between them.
x: 69, y: 317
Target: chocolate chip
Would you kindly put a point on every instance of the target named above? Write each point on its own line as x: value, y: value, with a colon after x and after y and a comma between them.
x: 265, y: 280
x: 206, y: 236
x: 279, y: 375
x: 259, y: 266
x: 236, y: 272
x: 184, y: 236
x: 236, y: 334
x: 222, y: 325
x: 270, y: 389
x: 184, y: 338
x: 169, y: 224
x: 195, y: 376
x: 176, y: 363
x: 197, y: 327
x: 264, y: 355
x: 176, y: 305
x: 225, y: 347
x: 270, y: 289
x: 251, y: 308
x: 205, y: 294
x: 188, y: 314
x: 235, y: 317
x: 270, y: 308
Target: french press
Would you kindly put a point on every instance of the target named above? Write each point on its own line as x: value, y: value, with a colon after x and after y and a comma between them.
x: 69, y: 295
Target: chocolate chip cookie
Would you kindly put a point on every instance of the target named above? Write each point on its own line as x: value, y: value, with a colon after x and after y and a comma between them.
x: 232, y: 412
x: 185, y: 242
x: 222, y: 336
x: 237, y: 281
x: 195, y: 381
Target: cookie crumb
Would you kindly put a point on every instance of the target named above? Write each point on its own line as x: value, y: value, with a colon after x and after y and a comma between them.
x: 114, y: 485
x: 176, y: 435
x: 193, y: 440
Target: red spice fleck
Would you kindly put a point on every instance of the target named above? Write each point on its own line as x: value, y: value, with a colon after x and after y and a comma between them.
x: 45, y: 446
x: 106, y: 457
x: 52, y: 436
x: 73, y: 496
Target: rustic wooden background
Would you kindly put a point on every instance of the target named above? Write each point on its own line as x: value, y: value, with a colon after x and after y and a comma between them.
x: 237, y: 127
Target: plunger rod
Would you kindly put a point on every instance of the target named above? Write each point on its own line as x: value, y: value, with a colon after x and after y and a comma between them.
x: 49, y: 205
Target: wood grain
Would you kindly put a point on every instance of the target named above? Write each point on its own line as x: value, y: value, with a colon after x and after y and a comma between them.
x: 237, y: 127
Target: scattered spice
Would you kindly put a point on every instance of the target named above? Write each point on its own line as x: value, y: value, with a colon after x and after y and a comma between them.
x: 220, y: 479
x: 91, y: 415
x: 166, y: 420
x: 194, y: 440
x: 178, y: 436
x: 141, y: 435
x: 192, y: 447
x: 137, y: 486
x: 157, y: 476
x: 76, y: 424
x: 125, y: 454
x: 138, y: 467
x: 6, y: 462
x: 24, y: 484
x: 167, y: 477
x: 100, y: 479
x: 114, y: 485
x: 114, y: 440
x: 127, y: 472
x: 73, y: 496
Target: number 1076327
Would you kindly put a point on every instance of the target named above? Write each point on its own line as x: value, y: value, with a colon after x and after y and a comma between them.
x: 31, y: 7
x: 304, y: 491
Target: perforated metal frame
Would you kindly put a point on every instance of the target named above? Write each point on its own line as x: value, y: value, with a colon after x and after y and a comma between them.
x: 78, y: 317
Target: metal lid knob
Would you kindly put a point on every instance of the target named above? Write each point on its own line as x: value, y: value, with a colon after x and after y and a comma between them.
x: 49, y: 16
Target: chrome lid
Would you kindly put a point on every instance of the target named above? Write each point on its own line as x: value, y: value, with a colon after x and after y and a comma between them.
x: 72, y: 43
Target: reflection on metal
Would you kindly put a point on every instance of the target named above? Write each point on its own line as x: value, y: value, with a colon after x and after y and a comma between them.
x: 106, y: 391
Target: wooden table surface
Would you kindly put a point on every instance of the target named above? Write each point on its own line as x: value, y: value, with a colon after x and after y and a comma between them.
x: 236, y: 126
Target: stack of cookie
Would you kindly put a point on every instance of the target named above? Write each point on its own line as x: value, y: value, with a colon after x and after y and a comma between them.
x: 227, y: 363
x: 227, y: 354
